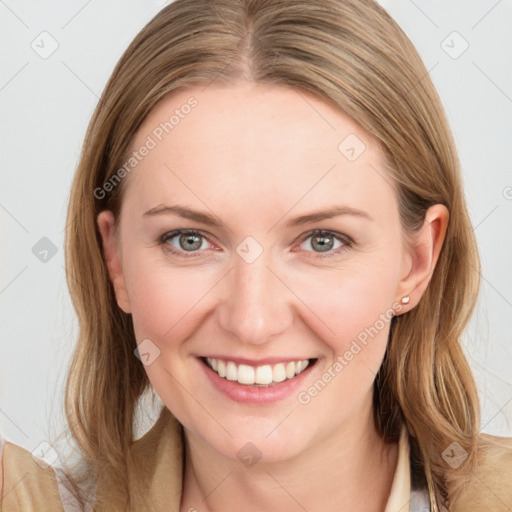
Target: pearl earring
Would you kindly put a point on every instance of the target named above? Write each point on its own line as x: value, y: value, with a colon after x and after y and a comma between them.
x: 405, y: 299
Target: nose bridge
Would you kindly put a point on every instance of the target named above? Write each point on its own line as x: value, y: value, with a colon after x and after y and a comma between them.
x: 256, y: 303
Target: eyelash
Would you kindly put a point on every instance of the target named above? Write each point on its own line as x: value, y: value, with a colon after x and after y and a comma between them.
x: 347, y: 242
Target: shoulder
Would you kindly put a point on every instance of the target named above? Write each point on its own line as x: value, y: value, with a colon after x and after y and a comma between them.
x: 159, y: 463
x: 489, y: 485
x: 155, y: 477
x: 26, y: 483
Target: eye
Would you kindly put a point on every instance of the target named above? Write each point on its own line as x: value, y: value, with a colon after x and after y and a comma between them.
x: 323, y: 243
x: 188, y: 243
x: 183, y: 241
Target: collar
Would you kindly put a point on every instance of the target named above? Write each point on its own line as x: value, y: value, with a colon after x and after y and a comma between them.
x: 400, y: 495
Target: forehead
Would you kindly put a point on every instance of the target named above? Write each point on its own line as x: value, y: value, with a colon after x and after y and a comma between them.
x: 271, y: 144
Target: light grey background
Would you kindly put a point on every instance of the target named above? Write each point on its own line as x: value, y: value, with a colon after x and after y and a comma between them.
x: 46, y: 104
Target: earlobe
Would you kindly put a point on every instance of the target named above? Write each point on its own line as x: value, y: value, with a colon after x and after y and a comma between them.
x: 107, y: 228
x: 423, y: 256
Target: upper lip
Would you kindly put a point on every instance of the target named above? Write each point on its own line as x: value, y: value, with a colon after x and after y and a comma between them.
x: 258, y: 362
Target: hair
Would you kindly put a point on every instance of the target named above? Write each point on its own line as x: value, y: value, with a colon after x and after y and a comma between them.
x: 354, y: 56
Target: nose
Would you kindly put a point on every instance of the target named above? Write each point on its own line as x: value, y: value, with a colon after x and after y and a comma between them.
x: 257, y: 304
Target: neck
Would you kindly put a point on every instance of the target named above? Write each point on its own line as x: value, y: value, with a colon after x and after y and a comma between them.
x: 351, y: 470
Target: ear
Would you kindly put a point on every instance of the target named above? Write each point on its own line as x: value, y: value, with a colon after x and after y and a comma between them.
x: 421, y: 256
x: 111, y: 253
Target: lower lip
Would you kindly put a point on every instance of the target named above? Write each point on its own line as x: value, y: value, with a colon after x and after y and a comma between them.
x: 255, y: 394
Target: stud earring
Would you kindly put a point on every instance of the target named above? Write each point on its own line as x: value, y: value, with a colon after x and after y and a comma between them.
x: 405, y: 300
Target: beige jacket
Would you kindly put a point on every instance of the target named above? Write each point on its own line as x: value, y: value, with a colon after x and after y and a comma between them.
x: 27, y: 486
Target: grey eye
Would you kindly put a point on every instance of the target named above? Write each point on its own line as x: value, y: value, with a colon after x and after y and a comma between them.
x: 188, y: 242
x: 321, y: 242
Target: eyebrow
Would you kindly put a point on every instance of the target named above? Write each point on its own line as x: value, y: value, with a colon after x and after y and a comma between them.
x: 211, y: 220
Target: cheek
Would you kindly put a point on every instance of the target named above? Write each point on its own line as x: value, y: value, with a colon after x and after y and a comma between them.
x: 165, y: 305
x: 163, y: 299
x: 351, y: 315
x: 344, y: 304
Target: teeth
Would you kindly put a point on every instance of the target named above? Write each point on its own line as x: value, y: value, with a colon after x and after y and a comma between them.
x: 231, y: 371
x: 279, y: 373
x: 245, y: 374
x: 260, y: 375
x: 290, y: 370
x: 263, y: 374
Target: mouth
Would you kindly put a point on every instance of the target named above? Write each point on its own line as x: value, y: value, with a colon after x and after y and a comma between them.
x: 265, y: 375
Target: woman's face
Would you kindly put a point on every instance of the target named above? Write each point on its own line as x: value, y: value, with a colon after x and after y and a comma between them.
x: 253, y: 284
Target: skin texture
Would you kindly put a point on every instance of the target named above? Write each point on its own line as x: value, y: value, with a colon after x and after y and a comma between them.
x: 256, y: 157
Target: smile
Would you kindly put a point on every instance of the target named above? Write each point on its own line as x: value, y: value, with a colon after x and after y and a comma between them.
x: 265, y: 375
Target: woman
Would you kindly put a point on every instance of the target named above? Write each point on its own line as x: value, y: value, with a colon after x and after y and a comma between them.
x: 267, y: 228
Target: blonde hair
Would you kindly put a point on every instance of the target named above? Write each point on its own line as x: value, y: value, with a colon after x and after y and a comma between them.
x: 354, y: 56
